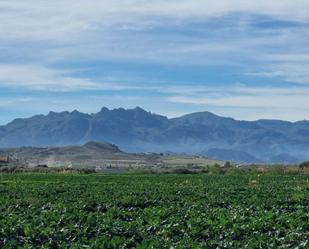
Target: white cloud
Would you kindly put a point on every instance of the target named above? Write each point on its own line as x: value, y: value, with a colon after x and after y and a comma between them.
x: 129, y: 30
x: 240, y: 102
x: 35, y: 77
x: 290, y: 67
x: 41, y: 78
x: 275, y: 102
x: 9, y: 102
x: 63, y: 20
x: 122, y: 30
x: 290, y: 72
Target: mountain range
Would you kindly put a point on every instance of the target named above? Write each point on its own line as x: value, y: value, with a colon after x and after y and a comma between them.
x: 137, y: 130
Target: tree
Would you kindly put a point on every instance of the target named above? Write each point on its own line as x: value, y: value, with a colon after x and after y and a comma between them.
x: 227, y: 164
x: 304, y: 165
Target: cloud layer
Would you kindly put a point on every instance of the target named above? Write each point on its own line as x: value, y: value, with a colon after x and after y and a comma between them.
x: 231, y: 57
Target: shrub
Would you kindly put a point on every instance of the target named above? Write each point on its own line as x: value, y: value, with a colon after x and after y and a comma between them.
x: 182, y: 171
x: 304, y: 165
x: 227, y: 164
x: 278, y: 169
x: 216, y: 170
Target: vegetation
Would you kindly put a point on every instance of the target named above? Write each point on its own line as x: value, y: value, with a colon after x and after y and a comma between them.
x: 304, y: 165
x: 16, y: 168
x: 154, y: 210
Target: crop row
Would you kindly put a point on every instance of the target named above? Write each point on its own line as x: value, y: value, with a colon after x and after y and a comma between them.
x: 153, y: 211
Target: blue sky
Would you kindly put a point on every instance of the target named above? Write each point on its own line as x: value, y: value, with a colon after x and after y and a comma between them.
x: 243, y: 59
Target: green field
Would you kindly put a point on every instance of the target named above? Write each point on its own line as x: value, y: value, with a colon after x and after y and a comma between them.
x: 153, y: 211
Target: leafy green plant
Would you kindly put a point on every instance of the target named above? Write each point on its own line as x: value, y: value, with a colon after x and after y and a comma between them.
x: 154, y: 211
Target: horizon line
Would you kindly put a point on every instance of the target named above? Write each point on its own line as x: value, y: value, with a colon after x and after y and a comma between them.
x: 150, y: 112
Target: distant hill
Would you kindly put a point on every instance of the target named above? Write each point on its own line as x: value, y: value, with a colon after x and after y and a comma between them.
x: 89, y: 154
x: 100, y: 155
x: 136, y: 130
x: 233, y: 155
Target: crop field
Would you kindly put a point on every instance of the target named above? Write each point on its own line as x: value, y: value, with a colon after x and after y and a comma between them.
x: 153, y: 211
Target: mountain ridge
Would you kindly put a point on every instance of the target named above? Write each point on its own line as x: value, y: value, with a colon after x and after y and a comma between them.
x: 138, y: 130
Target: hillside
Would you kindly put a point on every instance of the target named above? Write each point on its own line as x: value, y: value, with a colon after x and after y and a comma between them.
x: 136, y: 130
x: 100, y: 155
x: 90, y: 154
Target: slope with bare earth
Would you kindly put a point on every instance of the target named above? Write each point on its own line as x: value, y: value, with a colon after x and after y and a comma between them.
x: 87, y: 155
x: 100, y: 155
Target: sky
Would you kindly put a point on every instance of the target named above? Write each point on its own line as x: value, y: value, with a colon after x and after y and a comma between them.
x: 244, y: 59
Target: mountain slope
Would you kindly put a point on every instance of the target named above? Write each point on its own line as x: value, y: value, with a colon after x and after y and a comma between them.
x: 89, y: 154
x: 136, y: 130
